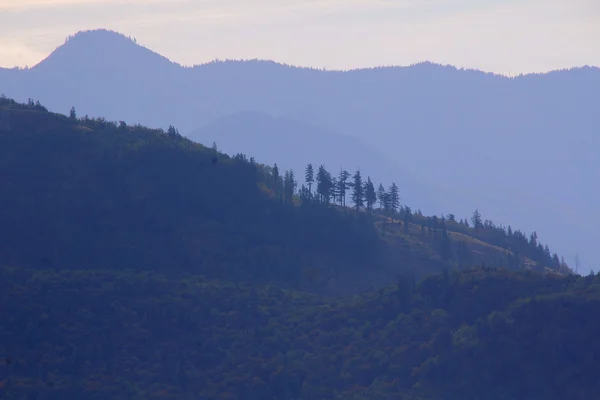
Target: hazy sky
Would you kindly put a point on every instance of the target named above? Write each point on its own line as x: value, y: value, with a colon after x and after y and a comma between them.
x: 493, y: 35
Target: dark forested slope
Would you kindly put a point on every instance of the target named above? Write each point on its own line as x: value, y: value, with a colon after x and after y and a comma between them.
x: 94, y: 194
x: 136, y: 264
x: 477, y: 334
x: 82, y: 193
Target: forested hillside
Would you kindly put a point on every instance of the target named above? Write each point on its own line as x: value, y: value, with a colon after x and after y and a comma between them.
x: 93, y: 193
x: 477, y: 334
x: 136, y: 264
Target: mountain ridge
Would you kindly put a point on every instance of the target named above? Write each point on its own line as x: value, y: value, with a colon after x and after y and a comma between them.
x: 119, y: 195
x: 93, y: 35
x: 481, y: 140
x: 266, y: 137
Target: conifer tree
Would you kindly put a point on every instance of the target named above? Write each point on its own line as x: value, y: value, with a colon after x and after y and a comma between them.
x: 275, y: 173
x: 382, y: 195
x: 358, y: 195
x: 276, y: 179
x: 547, y: 253
x: 293, y: 183
x: 309, y: 178
x: 334, y: 190
x: 555, y: 260
x: 342, y: 186
x: 289, y: 186
x: 476, y: 220
x: 324, y: 183
x: 172, y: 132
x: 370, y: 195
x: 533, y: 239
x: 394, y: 199
x: 214, y: 153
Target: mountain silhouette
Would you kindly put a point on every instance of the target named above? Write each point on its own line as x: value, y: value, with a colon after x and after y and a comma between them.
x: 519, y: 149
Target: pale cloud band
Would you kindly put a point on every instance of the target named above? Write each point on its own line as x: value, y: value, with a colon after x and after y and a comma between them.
x: 494, y: 35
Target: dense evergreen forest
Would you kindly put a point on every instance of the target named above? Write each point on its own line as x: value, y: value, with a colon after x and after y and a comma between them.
x: 136, y: 264
x: 473, y: 334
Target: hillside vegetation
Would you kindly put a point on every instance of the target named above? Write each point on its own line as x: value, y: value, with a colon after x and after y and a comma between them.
x: 136, y: 264
x: 89, y: 193
x: 94, y: 194
x: 477, y: 334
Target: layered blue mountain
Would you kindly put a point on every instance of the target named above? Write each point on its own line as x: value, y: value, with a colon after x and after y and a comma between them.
x: 519, y: 149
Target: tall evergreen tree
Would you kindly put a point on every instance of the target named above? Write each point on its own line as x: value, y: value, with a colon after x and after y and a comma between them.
x: 358, y: 195
x: 289, y: 186
x: 555, y: 260
x: 394, y: 198
x: 309, y: 178
x: 173, y: 132
x: 214, y: 153
x: 275, y: 172
x: 342, y: 186
x: 370, y: 195
x: 334, y: 191
x: 381, y: 195
x: 324, y: 183
x: 73, y: 113
x: 533, y: 239
x: 276, y: 179
x: 476, y: 220
x: 547, y: 253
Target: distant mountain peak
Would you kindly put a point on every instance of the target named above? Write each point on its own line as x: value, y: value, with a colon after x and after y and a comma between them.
x: 103, y: 46
x: 99, y: 33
